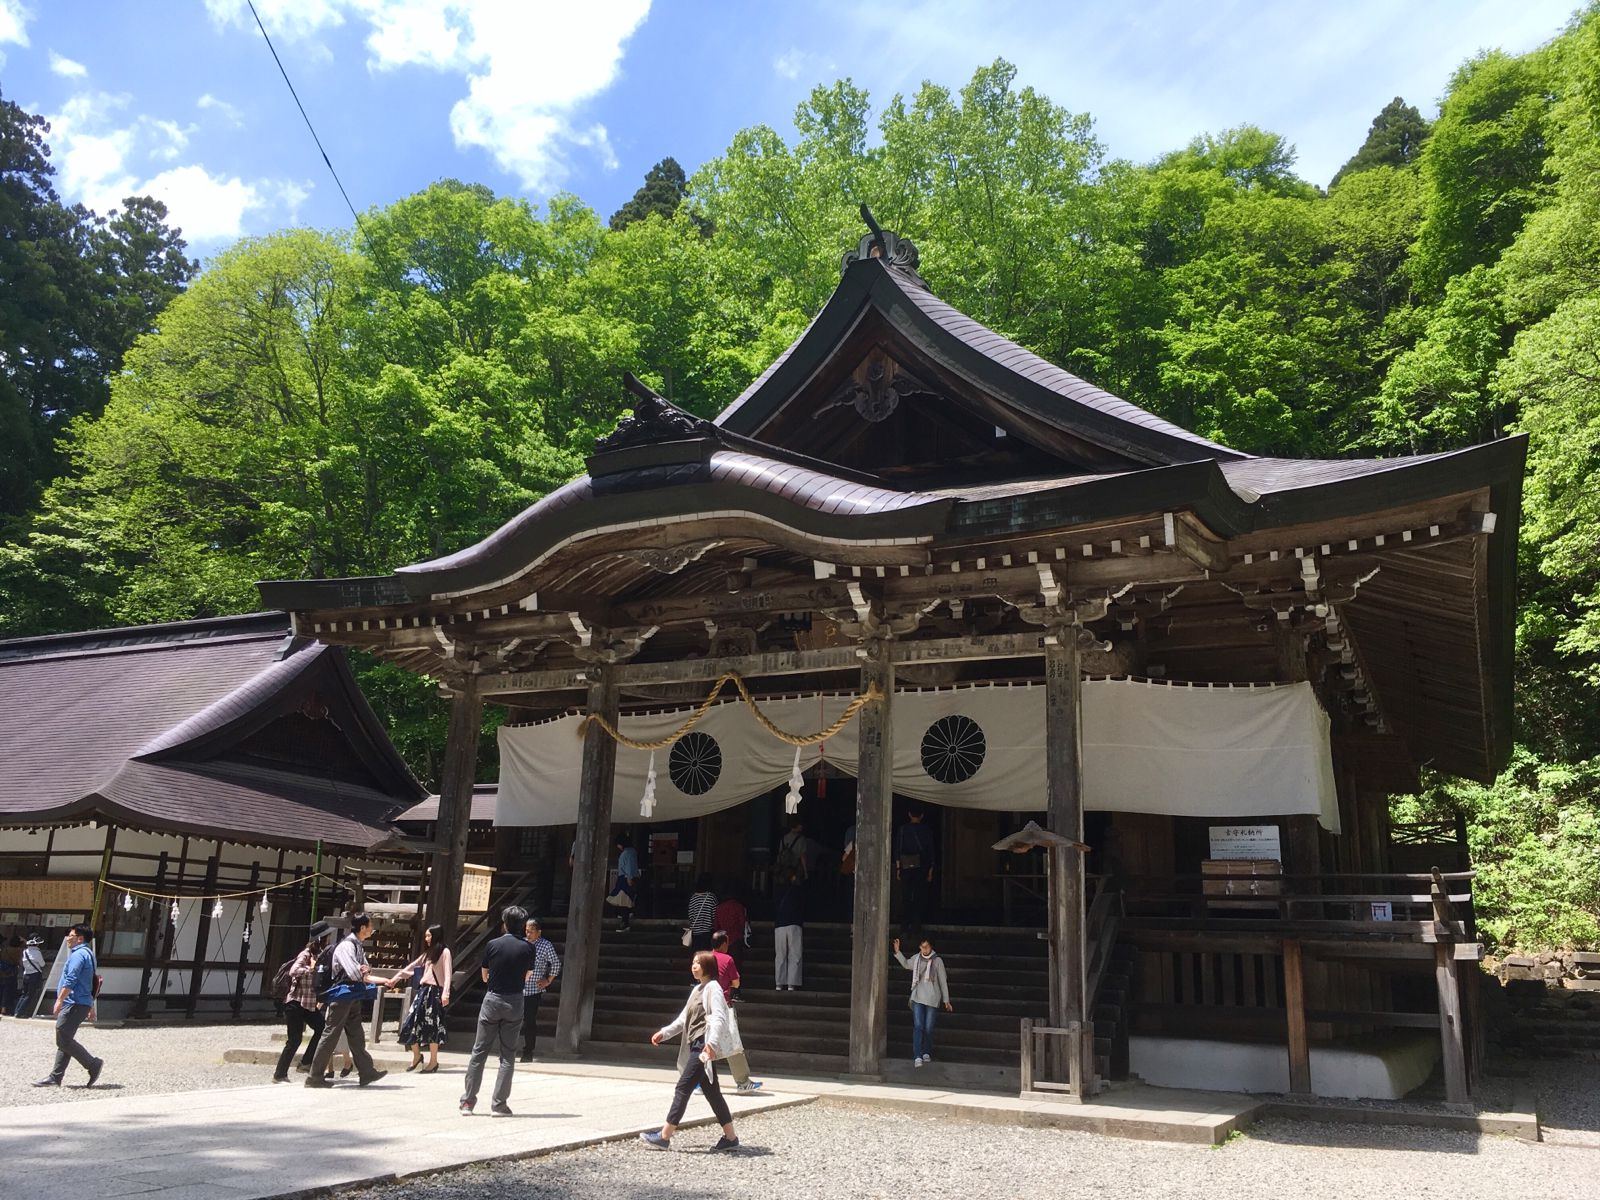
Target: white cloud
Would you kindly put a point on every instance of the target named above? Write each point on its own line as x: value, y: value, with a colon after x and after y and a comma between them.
x: 529, y: 68
x: 790, y: 63
x: 104, y: 155
x: 230, y: 113
x: 13, y: 23
x: 66, y: 67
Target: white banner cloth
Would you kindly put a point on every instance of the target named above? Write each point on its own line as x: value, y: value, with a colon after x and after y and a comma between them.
x: 1147, y: 747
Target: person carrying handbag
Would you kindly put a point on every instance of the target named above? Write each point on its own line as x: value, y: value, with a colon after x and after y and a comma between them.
x: 75, y: 1005
x: 349, y: 988
x: 703, y: 1026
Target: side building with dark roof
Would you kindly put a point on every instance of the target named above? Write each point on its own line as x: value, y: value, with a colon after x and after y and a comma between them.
x: 198, y: 791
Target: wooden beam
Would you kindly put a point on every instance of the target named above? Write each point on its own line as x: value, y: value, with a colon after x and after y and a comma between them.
x: 1294, y: 1001
x: 1063, y: 706
x: 203, y: 931
x: 575, y: 1017
x: 869, y: 925
x: 455, y: 806
x: 152, y: 931
x: 244, y: 942
x: 1451, y: 1040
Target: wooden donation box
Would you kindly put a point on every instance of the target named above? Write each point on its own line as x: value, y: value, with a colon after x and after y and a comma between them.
x: 1233, y: 881
x: 476, y: 882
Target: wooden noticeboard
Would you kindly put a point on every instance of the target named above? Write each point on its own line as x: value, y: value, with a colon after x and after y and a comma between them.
x: 476, y: 883
x: 47, y: 895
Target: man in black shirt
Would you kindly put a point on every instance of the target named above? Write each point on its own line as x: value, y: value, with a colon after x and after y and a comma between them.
x: 914, y: 855
x: 507, y: 962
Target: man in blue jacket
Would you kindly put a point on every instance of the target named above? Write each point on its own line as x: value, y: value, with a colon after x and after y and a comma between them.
x: 74, y: 1005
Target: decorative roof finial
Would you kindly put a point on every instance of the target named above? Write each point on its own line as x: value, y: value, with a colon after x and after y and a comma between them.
x: 881, y: 243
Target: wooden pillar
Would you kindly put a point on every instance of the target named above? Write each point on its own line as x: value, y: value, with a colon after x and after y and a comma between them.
x: 1063, y: 699
x: 586, y: 910
x: 202, y: 937
x: 1451, y: 1041
x: 153, y: 926
x: 869, y: 926
x: 105, y: 873
x: 244, y: 941
x: 1294, y: 1002
x: 455, y: 805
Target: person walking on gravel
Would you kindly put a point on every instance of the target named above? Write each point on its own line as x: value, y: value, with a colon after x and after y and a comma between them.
x: 74, y: 1005
x: 930, y: 989
x: 348, y: 989
x: 507, y: 963
x: 301, y: 1009
x: 703, y: 1024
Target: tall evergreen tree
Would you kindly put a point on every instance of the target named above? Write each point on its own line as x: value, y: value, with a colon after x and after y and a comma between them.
x: 1394, y: 139
x: 665, y: 186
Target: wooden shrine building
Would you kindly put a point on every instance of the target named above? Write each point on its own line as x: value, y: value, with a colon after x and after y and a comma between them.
x: 195, y: 790
x: 1028, y: 597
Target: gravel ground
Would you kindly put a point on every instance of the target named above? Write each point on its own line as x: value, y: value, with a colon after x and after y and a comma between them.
x: 825, y: 1151
x: 139, y: 1062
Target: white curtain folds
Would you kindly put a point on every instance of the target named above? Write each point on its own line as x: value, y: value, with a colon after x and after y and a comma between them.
x: 1147, y: 747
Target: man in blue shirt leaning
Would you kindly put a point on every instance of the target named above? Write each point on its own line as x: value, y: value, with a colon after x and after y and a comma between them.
x: 74, y: 1005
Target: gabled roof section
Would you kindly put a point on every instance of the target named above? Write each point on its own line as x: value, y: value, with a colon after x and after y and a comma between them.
x: 1013, y: 377
x: 144, y: 726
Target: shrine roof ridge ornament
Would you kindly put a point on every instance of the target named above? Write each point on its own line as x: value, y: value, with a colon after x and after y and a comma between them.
x: 895, y: 251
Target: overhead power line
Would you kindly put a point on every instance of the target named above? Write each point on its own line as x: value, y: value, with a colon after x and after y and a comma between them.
x: 328, y: 162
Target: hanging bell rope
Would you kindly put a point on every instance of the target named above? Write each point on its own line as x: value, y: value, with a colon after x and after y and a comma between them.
x: 856, y: 704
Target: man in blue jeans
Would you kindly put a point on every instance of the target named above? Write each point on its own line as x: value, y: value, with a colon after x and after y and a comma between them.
x: 507, y: 963
x: 74, y: 1005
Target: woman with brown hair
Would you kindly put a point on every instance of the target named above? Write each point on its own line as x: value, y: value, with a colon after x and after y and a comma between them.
x: 703, y: 1024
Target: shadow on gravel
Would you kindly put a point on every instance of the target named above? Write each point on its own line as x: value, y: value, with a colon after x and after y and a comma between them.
x: 1327, y: 1134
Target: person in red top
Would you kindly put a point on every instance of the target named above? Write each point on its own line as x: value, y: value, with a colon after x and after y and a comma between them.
x: 728, y: 977
x: 732, y: 917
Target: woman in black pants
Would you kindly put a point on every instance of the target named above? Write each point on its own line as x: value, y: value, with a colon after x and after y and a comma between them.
x: 704, y: 1026
x: 302, y: 1010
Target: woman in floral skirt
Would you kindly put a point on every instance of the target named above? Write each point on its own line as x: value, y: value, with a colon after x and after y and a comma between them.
x: 425, y: 1022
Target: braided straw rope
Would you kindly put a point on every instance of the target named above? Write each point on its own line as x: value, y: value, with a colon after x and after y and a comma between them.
x: 794, y: 739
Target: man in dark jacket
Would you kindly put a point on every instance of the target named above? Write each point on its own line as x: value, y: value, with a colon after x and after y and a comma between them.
x: 915, y: 856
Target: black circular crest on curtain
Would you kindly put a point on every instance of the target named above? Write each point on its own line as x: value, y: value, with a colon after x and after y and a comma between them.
x: 953, y: 749
x: 695, y: 763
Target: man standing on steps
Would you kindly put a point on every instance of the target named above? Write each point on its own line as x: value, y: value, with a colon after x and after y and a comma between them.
x: 349, y: 988
x: 546, y: 966
x: 74, y: 1005
x: 914, y: 855
x: 508, y: 961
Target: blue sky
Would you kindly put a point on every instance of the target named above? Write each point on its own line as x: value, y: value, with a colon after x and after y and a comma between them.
x: 181, y: 98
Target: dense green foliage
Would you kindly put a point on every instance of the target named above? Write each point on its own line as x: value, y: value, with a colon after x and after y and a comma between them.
x: 315, y: 405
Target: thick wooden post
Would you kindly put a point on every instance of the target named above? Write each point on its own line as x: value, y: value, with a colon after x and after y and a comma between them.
x: 152, y: 931
x: 1294, y: 1002
x: 244, y: 941
x: 99, y: 909
x: 202, y: 937
x: 455, y: 806
x: 1456, y: 1090
x: 586, y: 908
x: 1064, y: 784
x: 869, y: 926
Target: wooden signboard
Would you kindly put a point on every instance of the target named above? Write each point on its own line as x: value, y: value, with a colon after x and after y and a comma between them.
x: 47, y: 895
x: 476, y: 882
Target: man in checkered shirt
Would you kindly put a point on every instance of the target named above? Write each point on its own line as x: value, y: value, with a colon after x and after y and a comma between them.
x: 546, y: 966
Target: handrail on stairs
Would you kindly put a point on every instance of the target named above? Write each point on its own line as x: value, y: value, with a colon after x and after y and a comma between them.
x: 470, y: 941
x: 1102, y: 927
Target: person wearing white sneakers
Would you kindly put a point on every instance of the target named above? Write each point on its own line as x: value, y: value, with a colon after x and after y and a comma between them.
x: 930, y: 988
x: 703, y: 1024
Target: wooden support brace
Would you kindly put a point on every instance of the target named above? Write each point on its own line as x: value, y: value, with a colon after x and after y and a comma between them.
x: 1294, y: 1000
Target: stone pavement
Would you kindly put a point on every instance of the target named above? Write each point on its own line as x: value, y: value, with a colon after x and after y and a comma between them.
x: 285, y: 1139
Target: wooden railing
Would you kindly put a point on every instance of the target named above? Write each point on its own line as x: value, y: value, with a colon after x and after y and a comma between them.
x: 469, y: 942
x: 1102, y: 927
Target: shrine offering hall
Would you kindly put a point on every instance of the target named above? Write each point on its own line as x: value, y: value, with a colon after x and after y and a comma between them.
x: 915, y: 569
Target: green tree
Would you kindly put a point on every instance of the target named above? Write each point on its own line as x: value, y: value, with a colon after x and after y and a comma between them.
x: 665, y: 185
x: 1395, y: 139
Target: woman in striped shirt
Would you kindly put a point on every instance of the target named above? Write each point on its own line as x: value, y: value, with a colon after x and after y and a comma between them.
x: 702, y: 915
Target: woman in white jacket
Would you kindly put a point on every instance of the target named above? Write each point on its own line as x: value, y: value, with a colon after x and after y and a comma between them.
x: 930, y: 988
x: 703, y: 1024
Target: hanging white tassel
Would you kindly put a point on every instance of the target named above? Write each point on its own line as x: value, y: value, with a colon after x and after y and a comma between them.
x: 216, y: 910
x: 647, y: 802
x: 247, y: 935
x: 174, y: 912
x: 127, y: 902
x: 264, y: 906
x: 791, y: 802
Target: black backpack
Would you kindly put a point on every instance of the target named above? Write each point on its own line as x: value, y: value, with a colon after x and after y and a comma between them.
x: 322, y: 978
x: 281, y: 983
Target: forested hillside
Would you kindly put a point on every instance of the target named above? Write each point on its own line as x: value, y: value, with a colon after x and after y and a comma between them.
x: 343, y: 402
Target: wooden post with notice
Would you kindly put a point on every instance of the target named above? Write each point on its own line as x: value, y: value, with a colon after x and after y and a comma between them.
x: 454, y: 822
x: 869, y: 927
x: 586, y: 906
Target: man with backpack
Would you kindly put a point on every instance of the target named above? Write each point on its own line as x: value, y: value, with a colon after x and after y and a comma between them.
x: 74, y: 1005
x: 345, y: 970
x: 294, y: 987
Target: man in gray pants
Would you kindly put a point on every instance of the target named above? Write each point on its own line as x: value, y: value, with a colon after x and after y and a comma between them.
x: 507, y: 962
